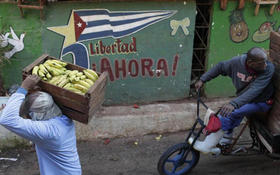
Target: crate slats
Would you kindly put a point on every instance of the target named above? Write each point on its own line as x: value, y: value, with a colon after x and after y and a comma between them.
x: 75, y: 115
x: 98, y: 87
x: 275, y: 46
x: 275, y: 56
x: 274, y: 37
x: 273, y: 121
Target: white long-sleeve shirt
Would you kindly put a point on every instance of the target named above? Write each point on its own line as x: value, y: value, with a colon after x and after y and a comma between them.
x: 55, y: 138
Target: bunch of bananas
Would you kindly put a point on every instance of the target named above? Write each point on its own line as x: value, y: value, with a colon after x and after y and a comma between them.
x: 54, y: 72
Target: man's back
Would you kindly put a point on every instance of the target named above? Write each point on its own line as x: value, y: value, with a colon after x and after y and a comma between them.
x: 55, y: 138
x: 59, y: 154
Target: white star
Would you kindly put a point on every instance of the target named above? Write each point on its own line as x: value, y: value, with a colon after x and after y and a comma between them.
x: 79, y: 24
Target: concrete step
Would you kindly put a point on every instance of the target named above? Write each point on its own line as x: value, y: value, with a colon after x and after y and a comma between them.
x: 125, y: 121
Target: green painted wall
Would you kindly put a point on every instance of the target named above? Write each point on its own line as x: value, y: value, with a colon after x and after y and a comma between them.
x: 223, y: 48
x: 39, y: 40
x: 154, y: 43
x: 31, y: 24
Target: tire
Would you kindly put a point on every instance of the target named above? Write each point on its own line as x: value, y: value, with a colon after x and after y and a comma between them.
x: 169, y: 164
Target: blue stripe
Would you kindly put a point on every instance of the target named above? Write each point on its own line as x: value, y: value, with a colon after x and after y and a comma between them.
x: 126, y: 32
x: 116, y: 23
x: 97, y: 23
x: 95, y: 35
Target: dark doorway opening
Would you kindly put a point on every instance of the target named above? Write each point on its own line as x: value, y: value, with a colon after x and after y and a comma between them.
x: 201, y: 39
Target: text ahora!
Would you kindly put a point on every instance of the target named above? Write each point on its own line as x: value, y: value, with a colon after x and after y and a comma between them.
x: 118, y: 47
x: 122, y: 68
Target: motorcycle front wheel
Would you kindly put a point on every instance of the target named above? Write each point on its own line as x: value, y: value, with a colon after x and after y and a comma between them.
x: 171, y: 163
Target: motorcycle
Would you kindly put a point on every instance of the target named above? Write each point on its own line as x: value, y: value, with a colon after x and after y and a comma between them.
x: 181, y: 158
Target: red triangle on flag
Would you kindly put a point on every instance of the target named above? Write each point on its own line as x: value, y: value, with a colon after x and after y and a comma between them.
x: 80, y: 25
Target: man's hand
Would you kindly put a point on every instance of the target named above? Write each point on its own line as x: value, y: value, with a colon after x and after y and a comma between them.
x: 198, y: 84
x: 226, y: 110
x: 30, y: 82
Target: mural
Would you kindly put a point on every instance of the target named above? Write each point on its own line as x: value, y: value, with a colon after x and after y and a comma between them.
x: 224, y: 47
x: 147, y: 53
x: 16, y: 42
x: 238, y: 27
x: 183, y: 24
x: 4, y: 39
x: 84, y: 25
x: 263, y: 32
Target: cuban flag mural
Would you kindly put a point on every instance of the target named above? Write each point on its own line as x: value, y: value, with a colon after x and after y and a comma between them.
x: 93, y: 24
x: 101, y: 23
x: 146, y: 49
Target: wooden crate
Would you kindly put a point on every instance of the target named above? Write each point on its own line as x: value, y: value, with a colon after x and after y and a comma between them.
x: 274, y: 48
x: 76, y: 106
x: 273, y: 120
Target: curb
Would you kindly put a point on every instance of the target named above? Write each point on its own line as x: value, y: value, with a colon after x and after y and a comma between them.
x: 126, y: 121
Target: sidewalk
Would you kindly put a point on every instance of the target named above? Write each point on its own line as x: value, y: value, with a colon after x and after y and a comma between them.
x: 121, y: 156
x: 127, y: 121
x: 124, y: 121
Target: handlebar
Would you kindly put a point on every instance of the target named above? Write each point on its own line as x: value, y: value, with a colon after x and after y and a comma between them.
x: 197, y: 108
x: 203, y: 104
x: 200, y: 101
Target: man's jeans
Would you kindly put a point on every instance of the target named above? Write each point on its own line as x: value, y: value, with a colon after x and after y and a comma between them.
x: 235, y: 118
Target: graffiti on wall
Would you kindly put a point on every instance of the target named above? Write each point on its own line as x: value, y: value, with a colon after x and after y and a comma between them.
x: 16, y: 42
x: 132, y: 67
x: 263, y: 32
x: 183, y: 24
x: 87, y: 25
x: 239, y: 31
x: 238, y: 27
x: 147, y: 53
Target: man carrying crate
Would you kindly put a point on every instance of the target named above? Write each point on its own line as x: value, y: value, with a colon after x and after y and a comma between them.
x: 52, y: 132
x: 251, y: 75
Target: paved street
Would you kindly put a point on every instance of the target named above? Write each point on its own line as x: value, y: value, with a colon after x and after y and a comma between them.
x: 121, y: 156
